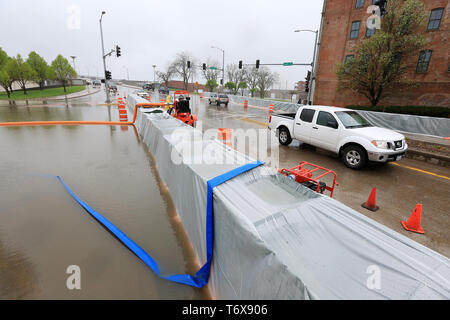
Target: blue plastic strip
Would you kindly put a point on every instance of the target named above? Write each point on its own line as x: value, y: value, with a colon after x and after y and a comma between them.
x: 201, y: 278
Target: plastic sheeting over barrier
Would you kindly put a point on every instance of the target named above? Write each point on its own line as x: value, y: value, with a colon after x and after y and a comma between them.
x: 408, y: 123
x: 276, y: 239
x: 400, y: 122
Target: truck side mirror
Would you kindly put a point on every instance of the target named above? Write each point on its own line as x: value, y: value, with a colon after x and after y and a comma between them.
x: 332, y: 124
x: 188, y: 98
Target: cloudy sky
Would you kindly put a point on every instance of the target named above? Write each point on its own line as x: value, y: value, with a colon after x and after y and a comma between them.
x: 153, y: 32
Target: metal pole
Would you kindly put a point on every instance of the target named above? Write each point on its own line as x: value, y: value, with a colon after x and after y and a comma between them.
x: 104, y: 60
x: 313, y: 69
x: 223, y: 69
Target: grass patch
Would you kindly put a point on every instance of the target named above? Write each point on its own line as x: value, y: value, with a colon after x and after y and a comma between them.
x: 439, y: 112
x: 45, y: 93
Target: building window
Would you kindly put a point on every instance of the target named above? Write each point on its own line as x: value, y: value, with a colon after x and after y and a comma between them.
x: 370, y: 32
x: 424, y: 61
x: 349, y: 57
x: 354, y: 32
x: 435, y: 19
x: 359, y: 4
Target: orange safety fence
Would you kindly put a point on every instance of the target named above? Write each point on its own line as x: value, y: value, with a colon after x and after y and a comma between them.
x: 110, y: 123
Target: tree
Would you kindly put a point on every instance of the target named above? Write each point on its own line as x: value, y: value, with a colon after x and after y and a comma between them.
x: 242, y: 85
x: 20, y: 71
x: 40, y: 67
x: 5, y: 79
x: 211, y: 85
x: 252, y: 80
x: 211, y: 74
x: 236, y: 76
x: 181, y: 69
x: 230, y: 86
x: 166, y: 75
x: 265, y: 80
x: 62, y: 70
x: 381, y: 61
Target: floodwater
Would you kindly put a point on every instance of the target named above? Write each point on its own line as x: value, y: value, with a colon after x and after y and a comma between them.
x: 43, y: 230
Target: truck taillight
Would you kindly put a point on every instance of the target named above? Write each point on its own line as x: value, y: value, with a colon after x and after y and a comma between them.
x: 270, y: 119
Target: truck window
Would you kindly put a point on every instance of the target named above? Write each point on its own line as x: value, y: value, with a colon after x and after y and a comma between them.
x: 307, y: 115
x: 326, y: 119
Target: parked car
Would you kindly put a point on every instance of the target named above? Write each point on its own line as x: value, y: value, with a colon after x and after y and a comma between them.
x: 163, y: 90
x: 218, y: 99
x: 96, y: 84
x: 342, y: 131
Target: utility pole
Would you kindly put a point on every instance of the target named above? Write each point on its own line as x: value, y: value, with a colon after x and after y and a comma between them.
x: 313, y: 64
x: 154, y: 73
x: 104, y: 60
x: 223, y: 65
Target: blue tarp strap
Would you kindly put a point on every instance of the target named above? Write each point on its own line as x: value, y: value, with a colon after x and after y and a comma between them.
x: 202, y: 276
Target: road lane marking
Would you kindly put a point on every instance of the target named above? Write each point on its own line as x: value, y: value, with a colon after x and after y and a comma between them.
x: 254, y: 121
x: 422, y: 171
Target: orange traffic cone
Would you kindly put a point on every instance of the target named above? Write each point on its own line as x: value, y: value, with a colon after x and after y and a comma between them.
x: 370, y: 204
x: 413, y: 223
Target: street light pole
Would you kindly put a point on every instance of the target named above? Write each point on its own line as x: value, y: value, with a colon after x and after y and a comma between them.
x: 104, y: 60
x: 313, y: 64
x: 73, y: 59
x: 223, y: 65
x: 154, y: 73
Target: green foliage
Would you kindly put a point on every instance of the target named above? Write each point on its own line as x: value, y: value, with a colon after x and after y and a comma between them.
x: 20, y: 71
x: 441, y: 112
x: 61, y: 70
x: 39, y: 66
x: 380, y: 62
x: 230, y: 85
x: 211, y: 85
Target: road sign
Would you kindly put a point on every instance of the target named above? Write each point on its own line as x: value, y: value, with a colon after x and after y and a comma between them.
x: 212, y: 68
x: 286, y: 64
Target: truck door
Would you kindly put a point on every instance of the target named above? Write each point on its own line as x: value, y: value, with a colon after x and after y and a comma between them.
x: 325, y: 131
x: 303, y: 124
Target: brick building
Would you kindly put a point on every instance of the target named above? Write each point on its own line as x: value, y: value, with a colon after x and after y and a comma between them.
x: 344, y: 25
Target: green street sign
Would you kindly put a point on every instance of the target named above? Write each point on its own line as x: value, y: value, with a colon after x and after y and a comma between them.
x: 286, y: 64
x: 212, y: 68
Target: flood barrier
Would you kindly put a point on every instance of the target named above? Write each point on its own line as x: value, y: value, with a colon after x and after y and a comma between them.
x: 275, y: 239
x: 200, y: 279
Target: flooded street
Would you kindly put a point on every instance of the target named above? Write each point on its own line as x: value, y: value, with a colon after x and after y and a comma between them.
x: 43, y: 230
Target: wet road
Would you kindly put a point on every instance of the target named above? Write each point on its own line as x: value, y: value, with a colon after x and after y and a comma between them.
x: 399, y: 186
x: 43, y: 230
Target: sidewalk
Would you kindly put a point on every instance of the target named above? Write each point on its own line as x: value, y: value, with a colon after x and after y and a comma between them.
x: 83, y: 93
x: 431, y: 149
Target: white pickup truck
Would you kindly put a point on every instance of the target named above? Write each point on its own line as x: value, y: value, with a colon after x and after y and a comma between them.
x: 342, y: 131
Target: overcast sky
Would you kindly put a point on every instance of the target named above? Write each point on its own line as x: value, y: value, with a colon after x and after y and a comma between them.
x: 153, y: 32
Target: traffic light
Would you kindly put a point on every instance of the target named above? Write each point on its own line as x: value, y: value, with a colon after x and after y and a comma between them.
x: 118, y: 51
x: 240, y: 64
x: 189, y: 64
x: 308, y: 78
x: 221, y: 82
x: 108, y: 75
x: 257, y: 64
x: 204, y: 66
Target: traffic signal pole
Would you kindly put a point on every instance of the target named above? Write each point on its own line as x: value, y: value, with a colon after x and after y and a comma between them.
x: 108, y: 100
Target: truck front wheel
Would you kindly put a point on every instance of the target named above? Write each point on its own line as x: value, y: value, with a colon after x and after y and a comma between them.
x: 354, y: 157
x: 284, y: 137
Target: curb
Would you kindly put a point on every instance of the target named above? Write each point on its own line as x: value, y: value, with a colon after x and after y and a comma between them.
x: 65, y: 97
x: 428, y: 157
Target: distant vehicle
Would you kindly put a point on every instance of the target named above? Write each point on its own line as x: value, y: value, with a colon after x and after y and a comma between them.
x: 163, y: 90
x: 96, y: 84
x: 342, y: 131
x: 112, y: 87
x: 151, y: 86
x: 218, y: 99
x: 88, y: 82
x: 142, y: 93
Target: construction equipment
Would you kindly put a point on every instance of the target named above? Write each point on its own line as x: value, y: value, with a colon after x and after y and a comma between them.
x: 181, y: 109
x: 308, y: 174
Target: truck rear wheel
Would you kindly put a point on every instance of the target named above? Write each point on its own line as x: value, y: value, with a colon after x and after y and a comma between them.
x: 354, y: 157
x: 284, y: 137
